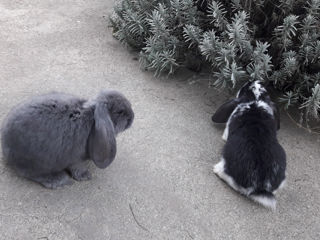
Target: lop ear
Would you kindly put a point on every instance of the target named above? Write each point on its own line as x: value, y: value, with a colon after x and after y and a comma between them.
x: 276, y: 113
x: 102, y: 141
x: 225, y: 110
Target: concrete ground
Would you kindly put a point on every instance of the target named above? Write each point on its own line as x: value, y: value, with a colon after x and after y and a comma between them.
x: 161, y: 185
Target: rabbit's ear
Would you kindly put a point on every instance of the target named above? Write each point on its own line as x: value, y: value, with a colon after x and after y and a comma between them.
x: 225, y: 110
x: 102, y: 141
x: 276, y: 113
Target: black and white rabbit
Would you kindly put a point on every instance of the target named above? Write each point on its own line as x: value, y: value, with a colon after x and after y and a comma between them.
x: 253, y: 162
x: 51, y: 136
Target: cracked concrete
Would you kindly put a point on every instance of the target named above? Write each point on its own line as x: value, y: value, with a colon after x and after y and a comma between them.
x: 161, y: 185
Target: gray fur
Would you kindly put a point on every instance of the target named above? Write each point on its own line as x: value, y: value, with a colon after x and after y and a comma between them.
x: 54, y: 133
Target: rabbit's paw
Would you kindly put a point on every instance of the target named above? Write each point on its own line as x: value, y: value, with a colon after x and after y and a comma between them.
x: 79, y: 172
x: 54, y: 180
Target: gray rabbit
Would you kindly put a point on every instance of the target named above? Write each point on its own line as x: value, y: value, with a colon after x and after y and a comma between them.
x: 50, y: 137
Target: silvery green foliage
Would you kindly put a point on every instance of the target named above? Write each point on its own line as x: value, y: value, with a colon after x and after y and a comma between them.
x: 275, y: 41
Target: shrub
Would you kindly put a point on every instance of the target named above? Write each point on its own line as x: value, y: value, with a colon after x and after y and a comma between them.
x: 275, y: 41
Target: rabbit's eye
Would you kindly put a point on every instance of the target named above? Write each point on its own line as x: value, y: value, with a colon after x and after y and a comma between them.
x: 120, y: 112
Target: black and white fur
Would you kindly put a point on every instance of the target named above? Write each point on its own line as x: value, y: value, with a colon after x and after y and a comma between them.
x: 50, y: 137
x: 253, y: 162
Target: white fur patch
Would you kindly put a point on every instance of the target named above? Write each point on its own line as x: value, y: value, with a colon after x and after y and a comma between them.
x: 239, y: 110
x: 226, y: 130
x: 225, y: 133
x: 267, y: 202
x: 257, y: 89
x: 219, y: 169
x: 238, y: 93
x: 265, y: 106
x: 281, y: 186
